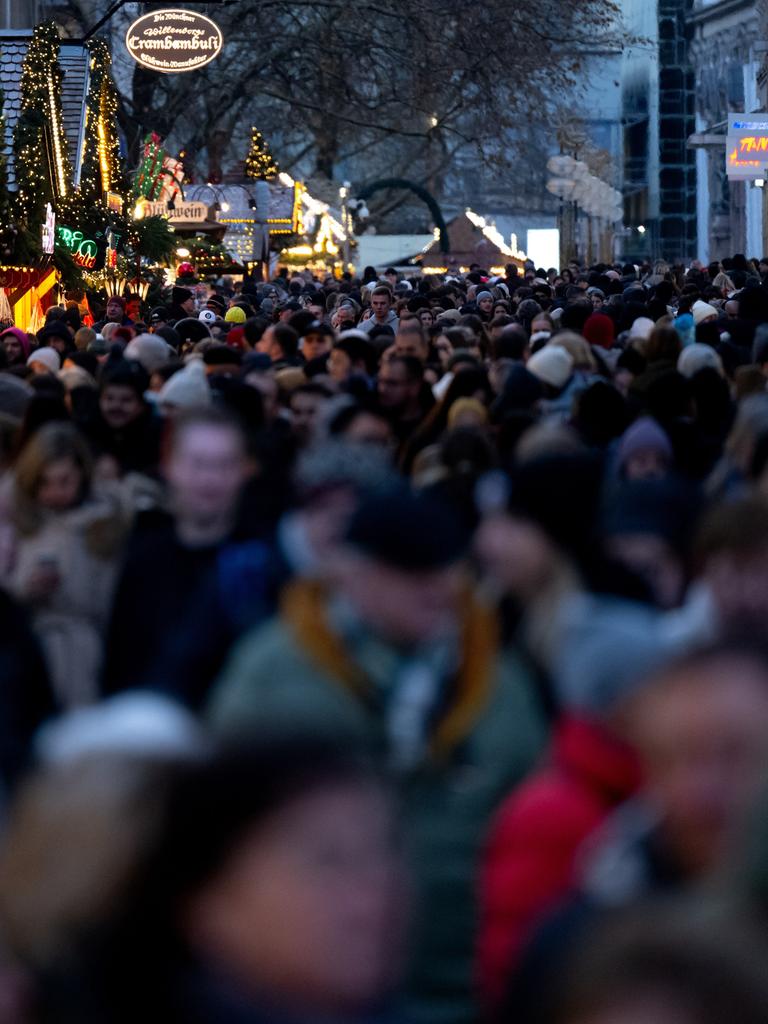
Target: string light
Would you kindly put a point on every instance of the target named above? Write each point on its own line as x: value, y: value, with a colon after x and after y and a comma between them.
x: 41, y: 78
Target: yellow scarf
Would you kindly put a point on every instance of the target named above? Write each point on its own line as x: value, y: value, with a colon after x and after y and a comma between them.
x: 304, y: 608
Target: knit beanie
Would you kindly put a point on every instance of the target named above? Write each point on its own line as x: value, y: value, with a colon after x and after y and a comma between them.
x: 235, y: 315
x: 599, y: 330
x: 641, y: 328
x: 696, y: 357
x: 644, y: 435
x: 702, y: 311
x: 685, y: 328
x: 15, y: 395
x: 149, y: 350
x: 552, y: 364
x: 49, y: 358
x: 179, y: 295
x: 188, y: 388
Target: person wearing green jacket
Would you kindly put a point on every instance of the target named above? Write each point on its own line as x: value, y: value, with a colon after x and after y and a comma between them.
x: 396, y: 656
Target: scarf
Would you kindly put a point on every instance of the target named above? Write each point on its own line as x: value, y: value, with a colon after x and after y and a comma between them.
x: 305, y: 609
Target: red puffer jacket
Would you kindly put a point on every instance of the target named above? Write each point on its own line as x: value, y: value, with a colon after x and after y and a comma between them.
x: 536, y: 835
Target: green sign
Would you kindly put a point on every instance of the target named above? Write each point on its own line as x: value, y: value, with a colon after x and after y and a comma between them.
x: 85, y: 251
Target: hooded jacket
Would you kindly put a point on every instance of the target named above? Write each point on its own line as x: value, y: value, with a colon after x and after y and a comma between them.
x: 537, y: 833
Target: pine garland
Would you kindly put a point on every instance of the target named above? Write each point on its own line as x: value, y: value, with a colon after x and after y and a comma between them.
x: 41, y: 159
x: 7, y: 227
x: 259, y: 163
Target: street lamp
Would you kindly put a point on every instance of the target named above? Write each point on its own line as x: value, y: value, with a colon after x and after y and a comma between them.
x: 344, y: 196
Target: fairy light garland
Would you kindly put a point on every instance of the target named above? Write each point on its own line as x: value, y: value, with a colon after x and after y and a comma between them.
x: 54, y: 114
x: 101, y: 167
x: 41, y: 78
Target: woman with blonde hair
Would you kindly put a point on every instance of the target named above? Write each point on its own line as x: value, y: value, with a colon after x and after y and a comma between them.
x: 63, y: 541
x: 724, y: 285
x: 578, y: 349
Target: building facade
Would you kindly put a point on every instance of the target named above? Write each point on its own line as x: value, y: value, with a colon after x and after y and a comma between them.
x: 725, y: 55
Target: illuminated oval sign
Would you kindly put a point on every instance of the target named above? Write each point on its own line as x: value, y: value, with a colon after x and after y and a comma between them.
x: 174, y: 40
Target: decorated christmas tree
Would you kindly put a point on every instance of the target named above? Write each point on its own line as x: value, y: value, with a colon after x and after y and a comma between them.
x: 259, y: 163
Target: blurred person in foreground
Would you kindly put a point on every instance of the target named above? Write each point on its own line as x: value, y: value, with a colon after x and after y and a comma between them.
x: 266, y: 888
x: 170, y: 551
x: 699, y: 726
x: 392, y: 651
x: 666, y: 969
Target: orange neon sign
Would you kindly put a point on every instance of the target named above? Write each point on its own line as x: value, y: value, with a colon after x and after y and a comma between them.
x: 754, y: 144
x: 733, y: 161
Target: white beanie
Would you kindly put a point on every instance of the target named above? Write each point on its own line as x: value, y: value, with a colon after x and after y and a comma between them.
x: 696, y: 357
x: 187, y: 388
x: 641, y: 328
x: 139, y: 724
x: 552, y: 364
x: 702, y: 311
x: 150, y: 350
x: 49, y: 357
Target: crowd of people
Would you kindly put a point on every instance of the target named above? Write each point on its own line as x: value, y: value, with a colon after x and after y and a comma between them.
x: 388, y: 649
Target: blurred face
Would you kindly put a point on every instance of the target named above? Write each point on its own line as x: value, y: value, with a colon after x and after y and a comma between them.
x: 304, y: 412
x: 702, y: 740
x: 411, y: 344
x: 339, y: 365
x: 59, y: 344
x: 406, y: 609
x: 652, y: 1007
x: 114, y: 311
x: 426, y: 317
x: 380, y: 305
x: 646, y: 464
x: 60, y: 485
x: 485, y: 305
x: 344, y: 317
x: 314, y: 345
x: 394, y: 386
x: 597, y: 302
x: 267, y: 387
x: 14, y: 353
x: 266, y: 341
x: 444, y: 350
x: 368, y: 429
x: 120, y: 406
x: 309, y: 907
x: 654, y: 561
x: 206, y: 470
x: 317, y: 310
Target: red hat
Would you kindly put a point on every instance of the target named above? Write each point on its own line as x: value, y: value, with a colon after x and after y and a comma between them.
x: 236, y: 338
x: 599, y: 330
